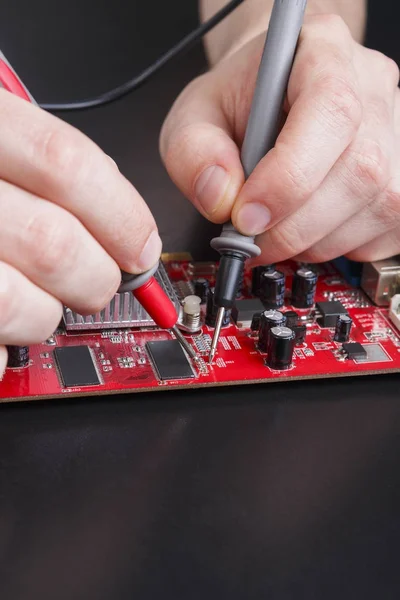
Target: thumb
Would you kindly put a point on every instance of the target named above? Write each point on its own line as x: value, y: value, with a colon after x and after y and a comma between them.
x: 199, y: 153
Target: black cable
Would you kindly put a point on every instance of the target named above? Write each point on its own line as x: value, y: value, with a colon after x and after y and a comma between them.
x: 144, y: 76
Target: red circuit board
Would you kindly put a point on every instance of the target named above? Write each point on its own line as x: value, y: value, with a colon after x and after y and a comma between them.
x: 123, y: 364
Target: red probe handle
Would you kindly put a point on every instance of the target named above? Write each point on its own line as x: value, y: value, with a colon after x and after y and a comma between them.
x: 11, y: 83
x: 156, y: 302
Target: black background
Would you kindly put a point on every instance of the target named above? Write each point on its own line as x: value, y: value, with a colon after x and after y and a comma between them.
x: 279, y: 492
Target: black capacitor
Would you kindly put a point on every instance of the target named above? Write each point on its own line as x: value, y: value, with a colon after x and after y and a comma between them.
x: 269, y: 319
x: 256, y: 277
x: 291, y: 318
x: 304, y: 287
x: 201, y: 289
x: 212, y: 311
x: 18, y: 356
x: 280, y: 348
x: 300, y: 332
x: 256, y: 322
x: 343, y: 328
x: 272, y: 289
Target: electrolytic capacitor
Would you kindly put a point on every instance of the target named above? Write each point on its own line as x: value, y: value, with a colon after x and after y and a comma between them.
x: 272, y: 289
x: 212, y: 311
x: 201, y: 289
x: 255, y: 322
x: 304, y: 288
x: 269, y: 319
x: 343, y: 328
x: 256, y: 277
x: 18, y: 356
x: 280, y: 348
x: 292, y: 318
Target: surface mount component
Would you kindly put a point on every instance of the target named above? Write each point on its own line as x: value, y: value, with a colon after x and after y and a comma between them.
x: 292, y: 318
x: 123, y: 311
x: 243, y: 311
x: 169, y: 360
x: 354, y: 351
x: 18, y: 357
x: 328, y: 312
x: 343, y: 328
x: 76, y: 366
x: 381, y: 280
x: 280, y: 348
x: 269, y: 319
x: 272, y: 289
x: 304, y: 287
x: 300, y: 333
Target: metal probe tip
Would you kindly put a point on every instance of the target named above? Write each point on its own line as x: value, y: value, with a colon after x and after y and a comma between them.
x: 189, y: 349
x: 217, y: 331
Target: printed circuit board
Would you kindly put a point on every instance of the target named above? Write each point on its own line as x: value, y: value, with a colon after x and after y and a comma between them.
x: 132, y: 358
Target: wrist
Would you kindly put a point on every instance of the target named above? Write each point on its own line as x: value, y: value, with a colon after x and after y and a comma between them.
x: 252, y: 18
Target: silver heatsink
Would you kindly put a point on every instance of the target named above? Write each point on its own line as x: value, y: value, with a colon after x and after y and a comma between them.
x: 123, y: 310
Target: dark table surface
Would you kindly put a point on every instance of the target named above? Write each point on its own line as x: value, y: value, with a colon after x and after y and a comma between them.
x: 275, y: 491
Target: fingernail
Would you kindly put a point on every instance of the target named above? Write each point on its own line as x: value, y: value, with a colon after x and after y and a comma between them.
x: 211, y: 188
x: 253, y: 218
x: 151, y: 252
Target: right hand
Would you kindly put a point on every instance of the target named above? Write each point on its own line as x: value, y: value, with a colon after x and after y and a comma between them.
x: 69, y: 222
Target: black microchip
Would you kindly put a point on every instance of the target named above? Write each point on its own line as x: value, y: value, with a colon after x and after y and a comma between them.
x: 329, y: 312
x: 169, y: 360
x: 244, y: 310
x: 76, y: 367
x: 354, y: 350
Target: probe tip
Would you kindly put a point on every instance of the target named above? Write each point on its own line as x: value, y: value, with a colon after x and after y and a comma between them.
x: 217, y: 331
x: 183, y: 341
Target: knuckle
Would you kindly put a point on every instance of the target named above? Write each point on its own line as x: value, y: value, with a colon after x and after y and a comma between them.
x: 286, y: 241
x: 372, y: 169
x: 340, y: 101
x: 331, y: 21
x: 52, y: 242
x: 61, y: 155
x: 366, y: 168
x: 289, y: 181
x: 387, y: 67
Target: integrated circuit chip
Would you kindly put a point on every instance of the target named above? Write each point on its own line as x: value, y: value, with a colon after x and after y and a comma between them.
x: 328, y: 312
x: 354, y: 351
x: 244, y: 310
x: 76, y: 366
x: 169, y: 360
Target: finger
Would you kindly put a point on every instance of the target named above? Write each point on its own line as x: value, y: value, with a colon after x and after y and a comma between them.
x: 325, y: 114
x: 377, y: 219
x: 3, y: 360
x: 53, y: 249
x: 53, y: 160
x: 384, y: 246
x: 198, y: 151
x: 359, y: 177
x: 28, y: 315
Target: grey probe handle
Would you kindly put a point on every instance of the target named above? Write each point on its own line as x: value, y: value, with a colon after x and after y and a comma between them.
x: 273, y: 77
x: 263, y: 125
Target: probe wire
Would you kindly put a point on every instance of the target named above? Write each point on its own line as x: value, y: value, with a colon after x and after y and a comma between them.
x: 137, y: 81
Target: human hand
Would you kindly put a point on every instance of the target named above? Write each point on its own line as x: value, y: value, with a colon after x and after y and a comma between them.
x: 331, y: 185
x: 69, y: 222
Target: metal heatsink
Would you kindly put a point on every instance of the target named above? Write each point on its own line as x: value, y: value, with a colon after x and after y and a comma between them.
x: 123, y: 310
